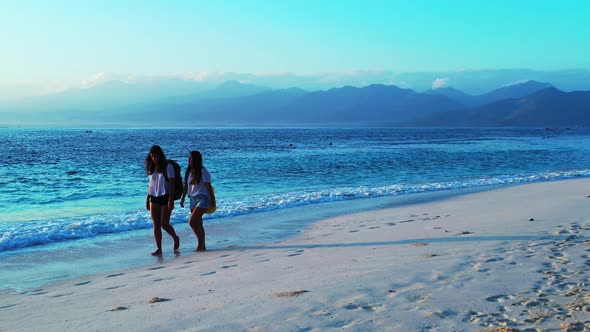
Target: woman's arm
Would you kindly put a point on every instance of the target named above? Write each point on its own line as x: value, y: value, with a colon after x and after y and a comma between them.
x: 184, y: 192
x: 211, y: 193
x: 171, y: 185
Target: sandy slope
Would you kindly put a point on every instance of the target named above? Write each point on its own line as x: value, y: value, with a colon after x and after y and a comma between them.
x: 470, y: 263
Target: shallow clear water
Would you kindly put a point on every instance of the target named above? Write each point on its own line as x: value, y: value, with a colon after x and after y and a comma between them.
x: 67, y: 190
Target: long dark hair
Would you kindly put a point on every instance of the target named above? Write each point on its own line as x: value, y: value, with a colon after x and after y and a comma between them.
x: 195, y: 168
x: 160, y: 166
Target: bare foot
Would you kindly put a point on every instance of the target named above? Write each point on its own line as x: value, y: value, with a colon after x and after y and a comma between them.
x: 176, y: 243
x: 157, y: 253
x: 201, y: 248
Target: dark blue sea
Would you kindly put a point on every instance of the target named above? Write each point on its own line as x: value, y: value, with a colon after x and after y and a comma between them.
x: 73, y: 200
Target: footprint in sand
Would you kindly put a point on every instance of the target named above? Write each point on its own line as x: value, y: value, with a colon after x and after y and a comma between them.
x: 208, y: 273
x: 366, y: 307
x: 321, y: 312
x: 291, y: 293
x: 228, y: 266
x: 354, y: 231
x: 8, y: 306
x: 157, y: 299
x: 495, y: 259
x: 115, y: 275
x: 118, y: 309
x: 477, y: 317
x: 113, y: 287
x: 296, y: 253
x: 498, y: 298
x: 431, y: 255
x: 417, y: 298
x: 155, y: 268
x: 371, y: 307
x: 351, y: 306
x: 82, y: 283
x: 445, y: 313
x: 37, y: 292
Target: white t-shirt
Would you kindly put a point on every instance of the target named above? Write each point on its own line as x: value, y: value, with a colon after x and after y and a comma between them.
x: 199, y: 188
x: 158, y: 185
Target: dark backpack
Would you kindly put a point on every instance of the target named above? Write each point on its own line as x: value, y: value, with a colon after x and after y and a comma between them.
x: 177, y: 179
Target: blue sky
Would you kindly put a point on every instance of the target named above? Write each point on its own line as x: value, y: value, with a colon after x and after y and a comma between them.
x: 53, y: 42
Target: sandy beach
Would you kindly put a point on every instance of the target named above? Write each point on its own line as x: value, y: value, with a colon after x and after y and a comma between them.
x: 511, y: 259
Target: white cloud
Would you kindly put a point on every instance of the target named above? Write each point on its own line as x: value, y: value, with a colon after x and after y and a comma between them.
x: 201, y: 76
x: 95, y: 79
x: 440, y: 82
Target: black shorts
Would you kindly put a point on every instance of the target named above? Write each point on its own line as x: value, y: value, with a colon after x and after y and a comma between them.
x: 162, y: 200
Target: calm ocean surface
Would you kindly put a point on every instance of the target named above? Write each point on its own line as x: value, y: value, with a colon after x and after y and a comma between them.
x: 72, y: 201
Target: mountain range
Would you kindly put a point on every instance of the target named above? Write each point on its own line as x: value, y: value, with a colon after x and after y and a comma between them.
x: 547, y: 107
x: 232, y: 103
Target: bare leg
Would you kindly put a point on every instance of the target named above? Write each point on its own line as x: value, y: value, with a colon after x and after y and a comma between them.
x: 165, y: 213
x: 196, y: 223
x: 156, y: 215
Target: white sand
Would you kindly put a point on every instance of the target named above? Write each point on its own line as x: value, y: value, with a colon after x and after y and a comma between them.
x: 469, y: 263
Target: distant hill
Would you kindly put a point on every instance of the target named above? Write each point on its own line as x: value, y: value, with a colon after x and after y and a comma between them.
x: 241, y: 104
x: 105, y: 96
x: 372, y: 105
x: 507, y: 92
x: 513, y: 91
x: 248, y: 110
x: 453, y: 94
x: 228, y: 89
x: 546, y: 108
x: 478, y: 82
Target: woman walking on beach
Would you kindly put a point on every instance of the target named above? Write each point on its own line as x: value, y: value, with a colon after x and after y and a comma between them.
x: 198, y: 187
x: 160, y: 196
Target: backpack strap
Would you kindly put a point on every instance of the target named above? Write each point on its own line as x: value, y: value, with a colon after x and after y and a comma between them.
x: 166, y: 171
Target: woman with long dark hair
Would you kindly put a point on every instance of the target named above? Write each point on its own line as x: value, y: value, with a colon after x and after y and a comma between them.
x: 160, y: 196
x: 198, y: 187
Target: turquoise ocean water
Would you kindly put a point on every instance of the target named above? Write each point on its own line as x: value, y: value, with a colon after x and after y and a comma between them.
x: 72, y: 200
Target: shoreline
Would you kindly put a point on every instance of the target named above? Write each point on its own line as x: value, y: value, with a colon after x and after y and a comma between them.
x: 468, y: 262
x: 55, y: 262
